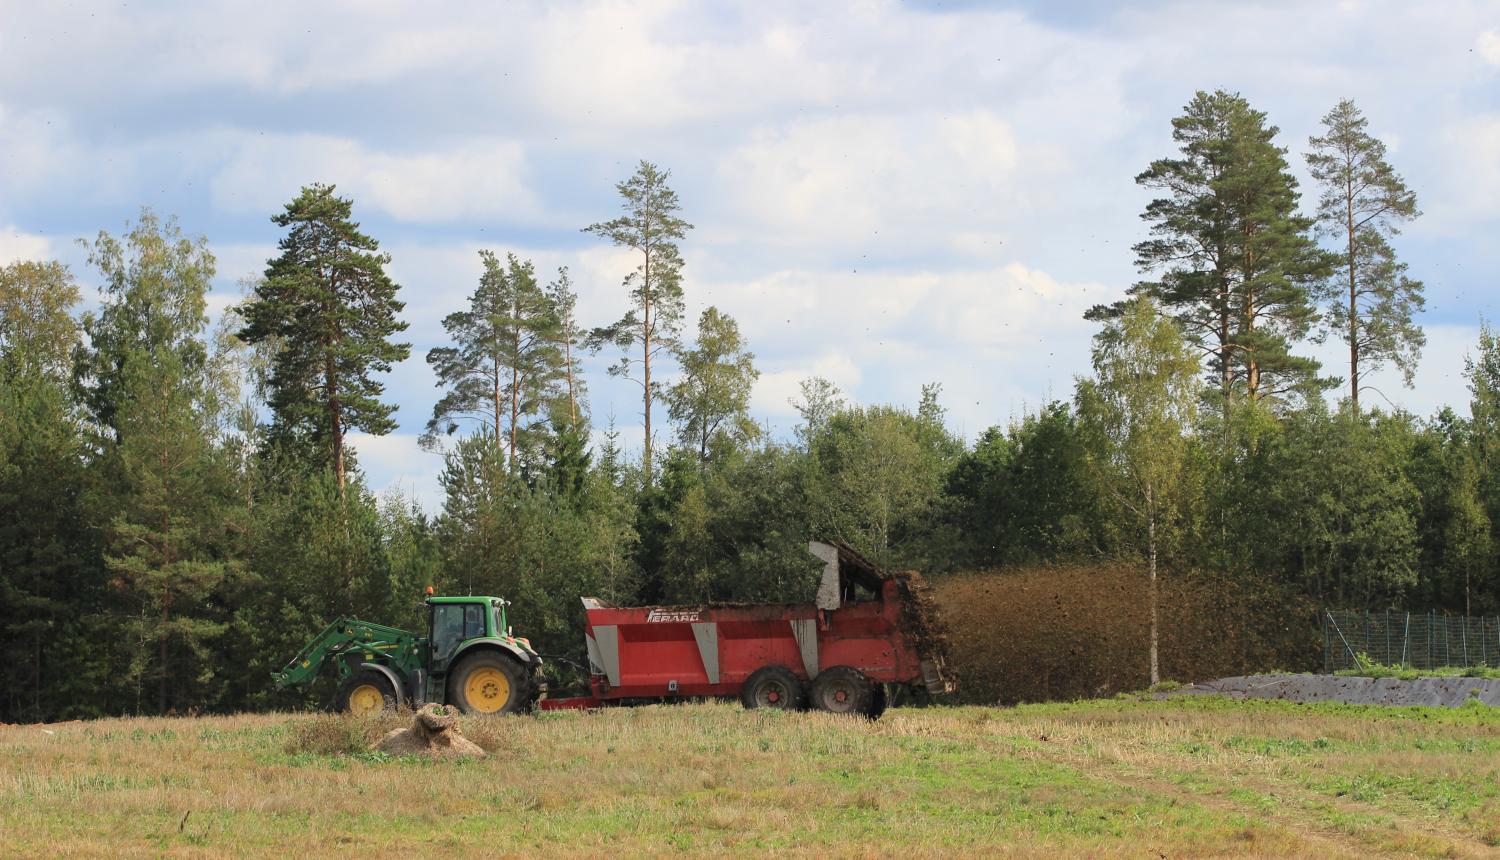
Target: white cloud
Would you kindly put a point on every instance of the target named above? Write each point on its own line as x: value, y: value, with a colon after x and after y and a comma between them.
x: 1470, y: 181
x: 1439, y: 379
x: 401, y: 466
x: 854, y: 180
x: 998, y: 338
x: 470, y: 179
x: 1489, y: 47
x: 16, y: 245
x: 776, y: 391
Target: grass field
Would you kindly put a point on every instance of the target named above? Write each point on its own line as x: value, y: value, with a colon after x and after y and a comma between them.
x: 1184, y: 778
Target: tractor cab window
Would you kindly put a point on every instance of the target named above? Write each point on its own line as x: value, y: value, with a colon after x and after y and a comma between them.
x: 453, y: 623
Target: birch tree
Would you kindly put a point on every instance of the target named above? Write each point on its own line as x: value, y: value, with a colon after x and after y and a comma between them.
x: 1139, y: 408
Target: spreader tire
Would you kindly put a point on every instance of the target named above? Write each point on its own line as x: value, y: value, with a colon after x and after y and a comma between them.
x: 773, y: 687
x: 489, y: 683
x: 365, y: 692
x: 843, y: 690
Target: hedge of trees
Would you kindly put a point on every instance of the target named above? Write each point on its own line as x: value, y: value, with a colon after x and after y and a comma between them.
x: 180, y: 507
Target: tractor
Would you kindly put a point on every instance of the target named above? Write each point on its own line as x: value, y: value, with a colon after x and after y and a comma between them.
x: 469, y: 659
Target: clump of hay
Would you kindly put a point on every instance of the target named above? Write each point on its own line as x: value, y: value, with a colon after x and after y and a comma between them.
x: 433, y: 732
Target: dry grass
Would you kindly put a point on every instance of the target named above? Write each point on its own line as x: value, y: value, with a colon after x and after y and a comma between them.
x: 1195, y: 778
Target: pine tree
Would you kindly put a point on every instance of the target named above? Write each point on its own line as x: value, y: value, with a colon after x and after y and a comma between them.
x: 506, y: 367
x: 329, y: 308
x: 1236, y: 261
x: 1364, y: 202
x: 711, y: 402
x: 564, y: 301
x: 650, y: 226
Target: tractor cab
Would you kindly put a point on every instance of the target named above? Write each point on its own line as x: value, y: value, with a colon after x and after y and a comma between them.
x: 473, y: 660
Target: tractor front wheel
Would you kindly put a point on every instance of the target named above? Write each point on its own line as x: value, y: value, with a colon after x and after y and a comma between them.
x: 773, y: 687
x: 488, y: 683
x: 843, y: 690
x: 365, y: 692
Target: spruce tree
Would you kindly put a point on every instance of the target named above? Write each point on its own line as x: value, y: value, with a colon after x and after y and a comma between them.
x: 330, y: 312
x: 651, y: 227
x: 1364, y: 203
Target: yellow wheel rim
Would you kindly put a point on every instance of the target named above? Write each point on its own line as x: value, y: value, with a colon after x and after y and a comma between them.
x: 366, y: 699
x: 487, y: 690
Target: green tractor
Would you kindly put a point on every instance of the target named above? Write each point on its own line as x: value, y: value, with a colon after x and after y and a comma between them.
x: 469, y: 659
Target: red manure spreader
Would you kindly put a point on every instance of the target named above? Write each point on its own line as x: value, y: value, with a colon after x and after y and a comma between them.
x: 869, y: 636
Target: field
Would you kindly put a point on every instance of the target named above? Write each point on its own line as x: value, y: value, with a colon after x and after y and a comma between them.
x: 1183, y: 778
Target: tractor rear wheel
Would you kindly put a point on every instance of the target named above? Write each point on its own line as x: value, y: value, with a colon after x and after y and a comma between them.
x: 843, y: 690
x: 488, y: 683
x: 773, y: 687
x: 365, y: 692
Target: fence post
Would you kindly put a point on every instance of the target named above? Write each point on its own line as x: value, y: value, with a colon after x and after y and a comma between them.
x: 1341, y: 637
x: 1405, y: 639
x: 1387, y: 655
x: 1465, y: 635
x: 1327, y: 651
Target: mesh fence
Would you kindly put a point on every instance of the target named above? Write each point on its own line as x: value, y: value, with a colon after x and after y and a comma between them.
x: 1409, y: 639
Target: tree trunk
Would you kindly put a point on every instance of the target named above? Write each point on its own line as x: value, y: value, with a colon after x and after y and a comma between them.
x: 166, y: 565
x: 646, y: 361
x: 1353, y: 300
x: 568, y: 355
x: 335, y: 422
x: 495, y: 391
x: 1154, y: 598
x: 515, y: 404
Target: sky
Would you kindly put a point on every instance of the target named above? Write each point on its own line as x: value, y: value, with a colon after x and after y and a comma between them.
x: 883, y: 194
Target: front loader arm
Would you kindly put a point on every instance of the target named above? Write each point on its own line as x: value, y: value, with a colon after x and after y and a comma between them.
x: 344, y: 636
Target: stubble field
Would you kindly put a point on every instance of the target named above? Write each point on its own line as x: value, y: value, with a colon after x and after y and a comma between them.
x: 1129, y: 778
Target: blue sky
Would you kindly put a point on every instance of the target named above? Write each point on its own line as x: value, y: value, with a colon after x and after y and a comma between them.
x: 884, y: 194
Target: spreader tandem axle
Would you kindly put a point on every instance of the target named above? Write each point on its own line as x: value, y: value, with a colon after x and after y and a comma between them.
x: 868, y: 635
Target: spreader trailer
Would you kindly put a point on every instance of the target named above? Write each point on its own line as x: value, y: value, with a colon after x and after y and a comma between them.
x: 868, y: 635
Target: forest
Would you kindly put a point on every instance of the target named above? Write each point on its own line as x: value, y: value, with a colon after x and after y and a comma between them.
x: 180, y: 507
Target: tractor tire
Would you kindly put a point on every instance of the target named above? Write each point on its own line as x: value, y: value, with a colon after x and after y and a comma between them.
x: 365, y: 692
x: 843, y: 690
x: 488, y: 683
x: 773, y: 687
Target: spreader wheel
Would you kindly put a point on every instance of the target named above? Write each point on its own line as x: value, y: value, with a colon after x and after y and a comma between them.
x: 774, y: 687
x: 843, y: 690
x: 365, y: 692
